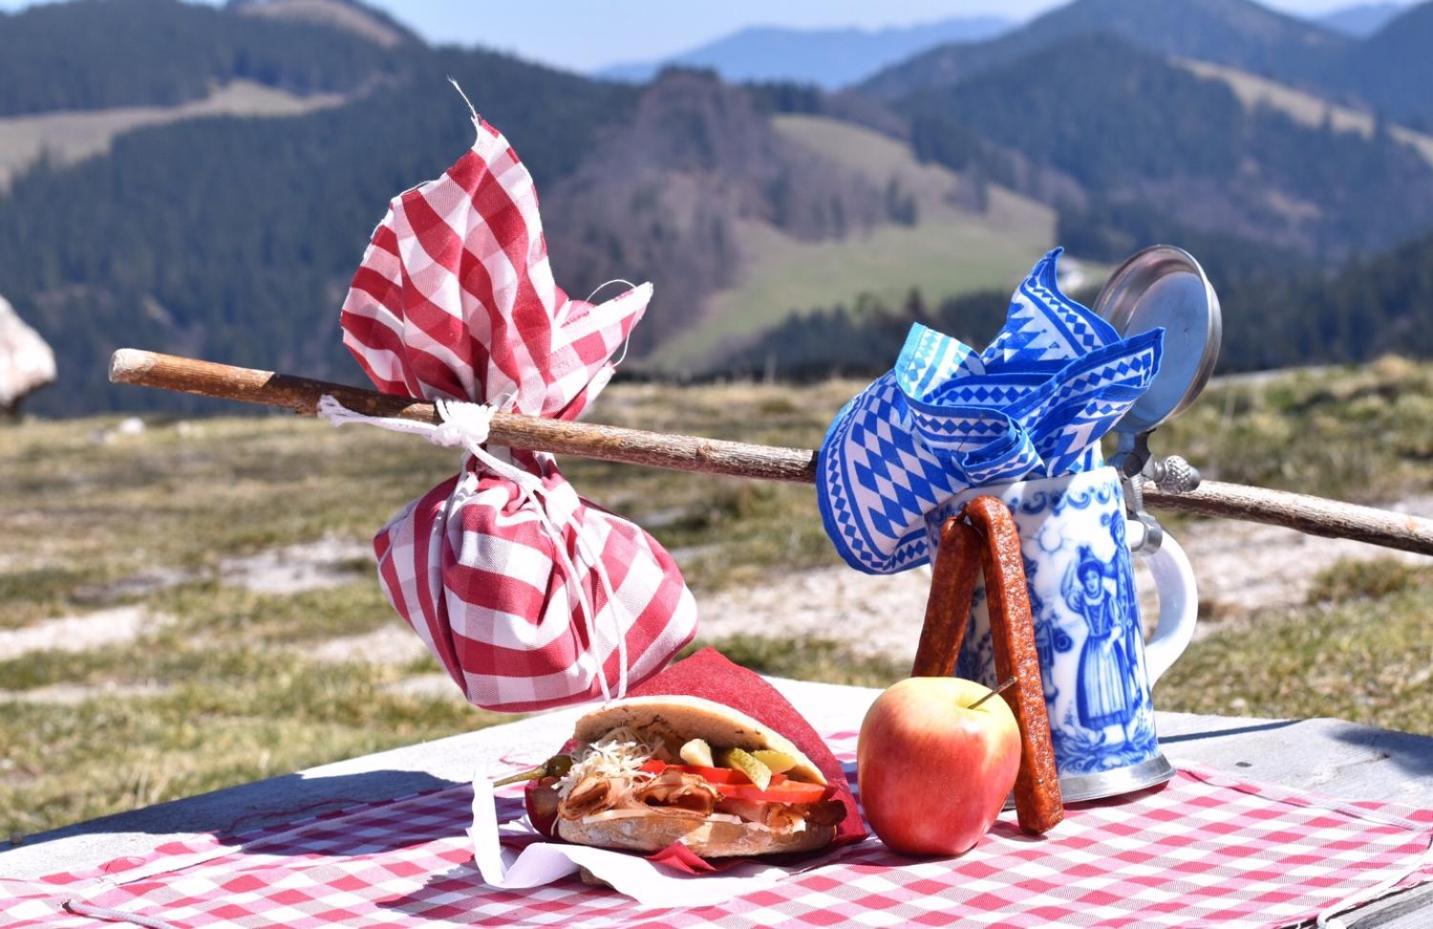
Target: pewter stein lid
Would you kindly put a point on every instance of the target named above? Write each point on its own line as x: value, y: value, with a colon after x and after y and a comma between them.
x: 1164, y: 286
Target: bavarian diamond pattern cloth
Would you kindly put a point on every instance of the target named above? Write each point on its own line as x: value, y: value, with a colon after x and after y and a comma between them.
x: 529, y: 595
x: 946, y: 418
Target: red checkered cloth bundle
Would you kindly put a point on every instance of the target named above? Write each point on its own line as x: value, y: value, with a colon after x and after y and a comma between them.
x: 1206, y: 851
x: 530, y: 596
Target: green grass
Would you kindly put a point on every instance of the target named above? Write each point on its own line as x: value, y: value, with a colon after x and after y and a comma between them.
x: 72, y: 136
x: 949, y: 251
x: 226, y: 692
x: 1352, y: 580
x: 238, y: 717
x: 1363, y: 654
x: 1359, y: 433
x: 1365, y: 659
x: 234, y: 699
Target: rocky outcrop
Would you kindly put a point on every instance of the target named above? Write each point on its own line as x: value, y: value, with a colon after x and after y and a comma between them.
x: 26, y: 361
x: 667, y: 196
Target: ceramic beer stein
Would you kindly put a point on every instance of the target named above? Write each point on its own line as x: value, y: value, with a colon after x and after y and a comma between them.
x: 1096, y: 666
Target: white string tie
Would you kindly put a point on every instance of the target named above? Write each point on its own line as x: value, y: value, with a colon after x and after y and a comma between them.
x: 627, y: 342
x: 463, y: 424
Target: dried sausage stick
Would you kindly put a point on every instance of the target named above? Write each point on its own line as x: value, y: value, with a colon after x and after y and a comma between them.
x: 1038, y: 804
x: 952, y: 584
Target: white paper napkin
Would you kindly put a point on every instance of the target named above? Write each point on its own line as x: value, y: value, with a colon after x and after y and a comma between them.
x: 649, y: 884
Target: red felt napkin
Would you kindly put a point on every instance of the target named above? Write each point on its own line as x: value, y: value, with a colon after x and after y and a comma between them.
x: 712, y: 676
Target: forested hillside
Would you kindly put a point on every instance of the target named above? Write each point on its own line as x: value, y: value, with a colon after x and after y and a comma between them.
x: 1141, y: 130
x: 234, y: 238
x: 1388, y: 72
x: 1272, y: 319
x: 93, y: 54
x: 1233, y: 32
x: 1372, y: 306
x: 663, y: 199
x: 1393, y: 68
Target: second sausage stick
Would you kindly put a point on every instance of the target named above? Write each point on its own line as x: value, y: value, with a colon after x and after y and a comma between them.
x: 1038, y: 804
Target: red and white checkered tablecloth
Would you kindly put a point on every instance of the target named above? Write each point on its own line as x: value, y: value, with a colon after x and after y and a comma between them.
x: 1207, y: 850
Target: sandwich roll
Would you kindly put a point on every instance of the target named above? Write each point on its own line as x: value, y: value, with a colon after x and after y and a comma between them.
x: 637, y: 781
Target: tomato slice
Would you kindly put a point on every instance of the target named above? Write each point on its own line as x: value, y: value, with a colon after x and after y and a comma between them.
x: 738, y: 786
x: 714, y: 775
x: 787, y: 791
x: 710, y: 775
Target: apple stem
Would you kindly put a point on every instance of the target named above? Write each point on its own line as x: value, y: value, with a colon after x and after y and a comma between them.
x: 999, y: 689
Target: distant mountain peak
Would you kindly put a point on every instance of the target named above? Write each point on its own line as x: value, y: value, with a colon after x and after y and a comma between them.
x: 1240, y: 33
x: 1360, y: 20
x: 349, y: 15
x: 831, y: 58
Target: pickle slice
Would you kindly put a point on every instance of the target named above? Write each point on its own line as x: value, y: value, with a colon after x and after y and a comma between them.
x: 741, y: 760
x: 697, y: 752
x: 776, y: 762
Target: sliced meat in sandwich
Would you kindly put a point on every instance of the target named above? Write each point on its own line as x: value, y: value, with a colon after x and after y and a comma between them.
x: 646, y: 772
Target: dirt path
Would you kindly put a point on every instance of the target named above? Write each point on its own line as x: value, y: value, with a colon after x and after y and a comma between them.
x: 1241, y: 568
x: 327, y: 562
x: 77, y: 633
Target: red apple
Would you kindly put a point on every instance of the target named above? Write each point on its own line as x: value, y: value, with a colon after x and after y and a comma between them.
x: 934, y: 771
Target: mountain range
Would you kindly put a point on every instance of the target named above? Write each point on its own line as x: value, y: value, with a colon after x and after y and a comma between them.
x: 838, y: 57
x: 1387, y: 72
x: 1363, y: 19
x: 1107, y: 124
x: 829, y: 58
x: 1233, y: 32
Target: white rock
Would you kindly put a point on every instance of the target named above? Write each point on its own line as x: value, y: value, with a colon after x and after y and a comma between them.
x: 26, y: 361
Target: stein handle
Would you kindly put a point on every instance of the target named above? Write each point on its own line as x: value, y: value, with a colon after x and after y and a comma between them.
x: 1178, y: 608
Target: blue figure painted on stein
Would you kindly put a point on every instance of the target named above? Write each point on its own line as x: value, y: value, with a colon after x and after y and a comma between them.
x: 1106, y: 697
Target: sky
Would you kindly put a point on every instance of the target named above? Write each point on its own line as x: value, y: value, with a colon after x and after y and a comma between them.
x: 583, y: 35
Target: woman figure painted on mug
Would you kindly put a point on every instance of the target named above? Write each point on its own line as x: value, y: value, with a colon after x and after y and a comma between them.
x: 1102, y: 697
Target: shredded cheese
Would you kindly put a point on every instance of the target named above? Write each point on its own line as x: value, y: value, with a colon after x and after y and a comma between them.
x: 619, y: 754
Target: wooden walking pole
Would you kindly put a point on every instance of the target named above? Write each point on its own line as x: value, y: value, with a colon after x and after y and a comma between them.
x: 1312, y: 515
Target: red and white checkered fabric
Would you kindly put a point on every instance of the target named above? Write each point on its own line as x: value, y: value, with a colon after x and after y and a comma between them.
x: 455, y: 299
x: 1207, y: 851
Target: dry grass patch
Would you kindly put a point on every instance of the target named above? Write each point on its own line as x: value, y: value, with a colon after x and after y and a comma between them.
x: 238, y: 718
x: 1367, y: 659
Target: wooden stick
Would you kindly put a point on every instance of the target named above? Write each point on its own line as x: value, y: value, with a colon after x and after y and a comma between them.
x: 587, y: 440
x: 1313, y: 515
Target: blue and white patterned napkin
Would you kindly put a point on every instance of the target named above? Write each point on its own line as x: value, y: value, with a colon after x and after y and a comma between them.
x: 1033, y: 404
